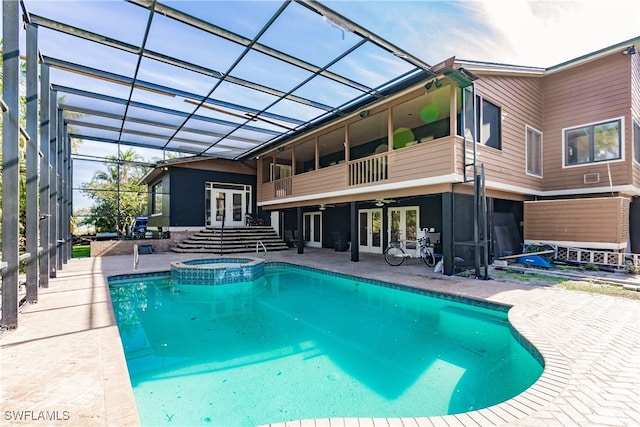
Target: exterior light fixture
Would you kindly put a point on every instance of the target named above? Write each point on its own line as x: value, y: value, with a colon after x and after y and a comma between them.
x: 631, y: 50
x: 437, y: 83
x: 364, y: 114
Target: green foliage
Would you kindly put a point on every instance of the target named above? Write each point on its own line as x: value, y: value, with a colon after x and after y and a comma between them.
x: 631, y: 268
x: 592, y: 267
x: 117, y: 197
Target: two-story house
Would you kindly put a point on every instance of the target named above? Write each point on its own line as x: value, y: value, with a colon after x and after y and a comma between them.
x: 560, y: 148
x: 483, y: 155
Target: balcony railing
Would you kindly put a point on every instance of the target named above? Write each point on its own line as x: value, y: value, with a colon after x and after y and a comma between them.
x: 368, y: 170
x: 440, y: 158
x: 283, y: 187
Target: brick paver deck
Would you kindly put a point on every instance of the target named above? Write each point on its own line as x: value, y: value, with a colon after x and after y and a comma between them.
x: 64, y: 365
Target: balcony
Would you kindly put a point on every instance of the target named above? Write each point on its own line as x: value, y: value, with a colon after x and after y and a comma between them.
x: 439, y: 159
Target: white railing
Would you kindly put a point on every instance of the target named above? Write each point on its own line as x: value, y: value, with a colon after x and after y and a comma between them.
x: 369, y: 169
x: 258, y: 244
x: 283, y: 187
x: 136, y: 258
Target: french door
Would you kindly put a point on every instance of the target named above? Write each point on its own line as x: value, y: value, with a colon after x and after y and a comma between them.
x: 370, y: 230
x: 403, y: 223
x: 226, y: 203
x: 312, y: 231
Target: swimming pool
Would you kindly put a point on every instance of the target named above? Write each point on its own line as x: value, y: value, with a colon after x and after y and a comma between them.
x: 299, y: 343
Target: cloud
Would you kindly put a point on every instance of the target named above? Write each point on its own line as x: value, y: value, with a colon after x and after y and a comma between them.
x: 545, y: 33
x: 519, y: 32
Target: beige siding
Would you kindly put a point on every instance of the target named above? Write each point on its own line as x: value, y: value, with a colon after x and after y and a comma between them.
x: 429, y: 159
x: 520, y: 101
x: 588, y: 93
x: 332, y: 178
x: 635, y: 109
x: 589, y: 221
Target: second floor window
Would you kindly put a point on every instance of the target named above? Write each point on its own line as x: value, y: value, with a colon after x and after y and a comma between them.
x: 488, y: 123
x: 534, y: 152
x: 593, y: 143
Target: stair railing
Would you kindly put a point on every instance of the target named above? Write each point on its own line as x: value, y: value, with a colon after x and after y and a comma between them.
x: 222, y: 234
x: 258, y: 244
x: 136, y: 257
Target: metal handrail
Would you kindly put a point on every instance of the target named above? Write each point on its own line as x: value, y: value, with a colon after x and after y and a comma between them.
x: 258, y: 244
x: 23, y: 257
x: 136, y: 257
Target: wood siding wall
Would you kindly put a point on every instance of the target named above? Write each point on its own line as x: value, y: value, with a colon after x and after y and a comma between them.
x: 592, y: 92
x: 635, y: 110
x: 520, y: 101
x: 597, y: 222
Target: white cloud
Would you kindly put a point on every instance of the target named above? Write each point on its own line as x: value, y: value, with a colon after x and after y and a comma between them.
x: 545, y: 33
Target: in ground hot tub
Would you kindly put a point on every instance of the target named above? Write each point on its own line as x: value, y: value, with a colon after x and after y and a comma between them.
x: 217, y: 271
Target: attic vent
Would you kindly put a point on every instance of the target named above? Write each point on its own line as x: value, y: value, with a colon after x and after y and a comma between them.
x: 592, y: 178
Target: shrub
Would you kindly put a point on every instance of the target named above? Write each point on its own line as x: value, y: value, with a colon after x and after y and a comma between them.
x: 592, y: 267
x: 631, y: 268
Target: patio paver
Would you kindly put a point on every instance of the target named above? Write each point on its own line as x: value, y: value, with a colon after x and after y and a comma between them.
x: 64, y: 365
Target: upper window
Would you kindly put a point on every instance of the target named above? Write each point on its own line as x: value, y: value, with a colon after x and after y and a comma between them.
x: 156, y: 198
x: 593, y: 143
x: 534, y: 152
x: 488, y: 123
x: 636, y: 140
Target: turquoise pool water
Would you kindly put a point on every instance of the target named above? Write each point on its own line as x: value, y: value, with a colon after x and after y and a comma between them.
x: 298, y: 344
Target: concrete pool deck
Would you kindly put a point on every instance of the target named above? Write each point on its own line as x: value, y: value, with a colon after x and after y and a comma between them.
x: 64, y: 364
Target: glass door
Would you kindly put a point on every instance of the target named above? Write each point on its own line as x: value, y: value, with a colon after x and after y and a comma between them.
x: 370, y: 230
x: 312, y: 229
x: 403, y: 224
x: 226, y: 203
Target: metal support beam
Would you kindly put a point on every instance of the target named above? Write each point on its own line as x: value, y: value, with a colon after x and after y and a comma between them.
x: 68, y: 191
x: 10, y: 163
x: 53, y: 182
x: 355, y: 249
x: 31, y: 225
x: 45, y: 212
x: 60, y: 189
x: 64, y: 208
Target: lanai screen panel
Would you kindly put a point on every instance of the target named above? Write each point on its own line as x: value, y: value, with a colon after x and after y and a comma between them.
x: 210, y: 78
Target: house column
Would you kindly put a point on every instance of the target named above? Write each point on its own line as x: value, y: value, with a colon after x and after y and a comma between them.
x: 355, y: 247
x: 299, y: 225
x: 447, y: 233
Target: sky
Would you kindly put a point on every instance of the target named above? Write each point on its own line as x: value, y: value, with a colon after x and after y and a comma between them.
x: 528, y: 33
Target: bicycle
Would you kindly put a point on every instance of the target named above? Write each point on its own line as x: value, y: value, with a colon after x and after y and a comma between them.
x: 395, y: 253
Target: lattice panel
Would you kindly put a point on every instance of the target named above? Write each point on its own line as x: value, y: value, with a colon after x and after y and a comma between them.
x: 585, y: 256
x: 616, y: 259
x: 562, y: 254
